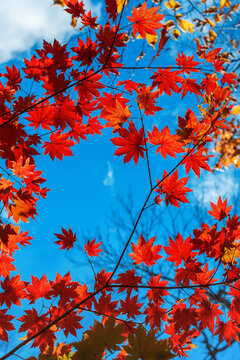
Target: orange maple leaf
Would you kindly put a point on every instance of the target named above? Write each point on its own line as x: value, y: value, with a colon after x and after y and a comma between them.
x: 219, y: 211
x: 116, y: 115
x: 23, y: 207
x: 168, y: 144
x: 145, y: 252
x: 146, y: 100
x: 145, y: 21
x: 22, y: 168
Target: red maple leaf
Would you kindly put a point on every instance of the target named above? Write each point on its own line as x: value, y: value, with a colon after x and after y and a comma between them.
x: 74, y: 8
x: 66, y: 239
x: 228, y: 331
x: 70, y: 323
x: 39, y: 288
x: 186, y: 63
x: 64, y: 113
x: 13, y: 291
x: 92, y: 248
x: 13, y: 76
x: 191, y: 268
x: 117, y: 114
x: 207, y: 313
x: 32, y: 323
x: 229, y: 78
x: 90, y: 21
x: 182, y: 317
x: 6, y: 265
x: 111, y: 9
x: 235, y: 291
x: 166, y: 80
x: 145, y: 21
x: 58, y: 60
x: 162, y: 42
x: 196, y: 160
x: 191, y: 86
x: 173, y: 188
x: 58, y: 146
x: 209, y: 83
x: 106, y: 306
x: 155, y: 315
x: 232, y: 273
x: 168, y: 144
x: 131, y: 143
x: 128, y: 278
x: 221, y: 210
x: 205, y: 277
x: 86, y: 51
x: 41, y: 116
x: 210, y: 56
x: 5, y: 324
x: 145, y: 252
x: 109, y: 37
x: 130, y: 306
x: 146, y: 100
x: 64, y: 287
x: 179, y: 250
x: 155, y: 295
x: 101, y: 279
x: 88, y: 84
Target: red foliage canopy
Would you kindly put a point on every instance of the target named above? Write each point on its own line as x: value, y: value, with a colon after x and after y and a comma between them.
x: 76, y: 101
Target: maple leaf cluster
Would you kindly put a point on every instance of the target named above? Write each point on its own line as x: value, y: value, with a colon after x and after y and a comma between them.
x: 75, y: 101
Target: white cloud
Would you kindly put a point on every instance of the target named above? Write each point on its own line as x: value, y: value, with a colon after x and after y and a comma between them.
x: 109, y: 179
x: 213, y: 185
x: 25, y: 23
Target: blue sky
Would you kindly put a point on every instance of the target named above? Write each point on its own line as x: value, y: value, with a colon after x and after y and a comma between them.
x: 85, y: 186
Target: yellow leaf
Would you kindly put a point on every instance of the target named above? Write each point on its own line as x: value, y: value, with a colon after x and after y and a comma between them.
x: 230, y: 255
x: 218, y: 18
x: 74, y: 22
x: 185, y: 25
x: 211, y: 23
x: 151, y: 39
x: 120, y: 4
x: 170, y: 4
x: 210, y: 10
x: 224, y: 3
x: 235, y: 110
x: 59, y: 2
x: 212, y: 35
x: 176, y: 33
x: 169, y: 24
